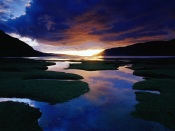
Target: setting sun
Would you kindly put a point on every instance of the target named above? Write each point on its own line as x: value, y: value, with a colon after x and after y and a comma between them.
x: 83, y: 52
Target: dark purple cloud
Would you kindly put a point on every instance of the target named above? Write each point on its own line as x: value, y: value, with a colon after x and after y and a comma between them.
x: 59, y: 22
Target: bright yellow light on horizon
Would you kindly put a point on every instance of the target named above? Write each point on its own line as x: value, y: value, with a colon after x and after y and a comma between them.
x: 82, y: 52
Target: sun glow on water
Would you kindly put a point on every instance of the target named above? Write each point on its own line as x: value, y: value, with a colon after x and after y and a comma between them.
x: 82, y: 52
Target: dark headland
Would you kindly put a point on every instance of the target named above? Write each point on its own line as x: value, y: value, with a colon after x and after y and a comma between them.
x: 153, y: 48
x: 13, y: 47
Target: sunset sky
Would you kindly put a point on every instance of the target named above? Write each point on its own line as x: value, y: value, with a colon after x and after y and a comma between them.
x: 78, y: 25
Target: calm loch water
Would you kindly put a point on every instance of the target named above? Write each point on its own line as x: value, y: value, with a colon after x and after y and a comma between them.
x: 106, y: 107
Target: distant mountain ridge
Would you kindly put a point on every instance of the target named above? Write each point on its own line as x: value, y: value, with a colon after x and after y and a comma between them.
x: 13, y: 47
x: 153, y: 48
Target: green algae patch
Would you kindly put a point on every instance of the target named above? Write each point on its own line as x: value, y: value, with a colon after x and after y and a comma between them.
x: 39, y: 74
x: 96, y: 65
x: 19, y: 64
x: 50, y: 91
x: 18, y: 117
x: 28, y: 79
x: 159, y: 76
x: 156, y: 107
x: 52, y: 75
x: 156, y: 73
x: 31, y: 69
x: 155, y: 68
x: 161, y: 85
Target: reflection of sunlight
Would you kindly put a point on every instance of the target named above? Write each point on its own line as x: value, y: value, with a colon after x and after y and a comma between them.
x: 104, y: 85
x: 82, y: 52
x: 125, y: 69
x: 61, y: 65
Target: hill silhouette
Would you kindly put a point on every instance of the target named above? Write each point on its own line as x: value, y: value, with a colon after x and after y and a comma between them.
x: 13, y: 47
x: 153, y: 48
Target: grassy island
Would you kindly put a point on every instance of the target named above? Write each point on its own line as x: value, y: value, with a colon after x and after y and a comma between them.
x: 25, y: 78
x: 159, y: 76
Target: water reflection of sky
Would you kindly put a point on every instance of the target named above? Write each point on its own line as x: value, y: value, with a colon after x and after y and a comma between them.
x: 106, y: 107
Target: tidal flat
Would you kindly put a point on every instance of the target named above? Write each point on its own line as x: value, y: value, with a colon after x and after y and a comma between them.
x: 28, y: 79
x: 71, y: 92
x: 159, y: 76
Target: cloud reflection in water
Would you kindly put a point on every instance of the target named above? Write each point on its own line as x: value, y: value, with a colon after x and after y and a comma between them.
x: 106, y: 107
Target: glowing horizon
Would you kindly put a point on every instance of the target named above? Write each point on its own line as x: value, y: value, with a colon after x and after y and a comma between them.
x: 88, y: 52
